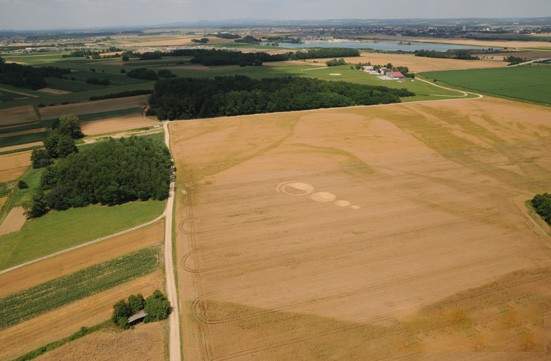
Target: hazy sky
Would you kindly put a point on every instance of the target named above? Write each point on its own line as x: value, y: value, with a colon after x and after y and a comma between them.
x: 47, y: 14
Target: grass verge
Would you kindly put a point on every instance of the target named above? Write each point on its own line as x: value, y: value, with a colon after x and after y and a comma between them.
x: 84, y: 331
x: 47, y: 296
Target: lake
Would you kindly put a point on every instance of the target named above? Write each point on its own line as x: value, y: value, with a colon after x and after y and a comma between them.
x: 380, y: 45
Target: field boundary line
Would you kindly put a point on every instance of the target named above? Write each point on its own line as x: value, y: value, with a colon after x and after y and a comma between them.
x: 97, y: 240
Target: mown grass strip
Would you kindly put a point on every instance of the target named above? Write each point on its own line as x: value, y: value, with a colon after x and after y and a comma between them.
x: 84, y: 331
x: 61, y: 291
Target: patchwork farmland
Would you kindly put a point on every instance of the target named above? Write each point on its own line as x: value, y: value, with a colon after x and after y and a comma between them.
x: 386, y: 232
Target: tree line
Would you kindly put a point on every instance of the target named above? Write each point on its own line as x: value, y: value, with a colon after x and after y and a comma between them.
x: 213, y: 57
x: 26, y: 76
x: 186, y: 98
x: 450, y: 54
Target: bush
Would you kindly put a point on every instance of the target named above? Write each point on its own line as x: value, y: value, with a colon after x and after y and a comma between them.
x: 157, y: 307
x: 336, y: 62
x: 143, y: 73
x: 39, y: 205
x: 136, y: 303
x: 40, y: 158
x: 121, y: 313
x: 22, y: 184
x: 542, y: 205
x: 96, y: 81
x: 165, y: 73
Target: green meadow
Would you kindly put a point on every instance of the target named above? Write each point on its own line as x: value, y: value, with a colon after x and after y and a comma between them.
x: 530, y: 83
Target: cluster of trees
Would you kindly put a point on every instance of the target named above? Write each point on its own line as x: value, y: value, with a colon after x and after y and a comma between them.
x: 128, y: 93
x: 514, y: 60
x: 60, y: 141
x: 186, y: 98
x: 157, y: 308
x: 542, y: 205
x: 200, y: 41
x: 336, y: 62
x: 248, y: 39
x: 153, y: 55
x: 149, y: 74
x: 98, y: 81
x: 324, y: 53
x: 111, y: 172
x: 28, y: 76
x: 213, y: 57
x: 450, y: 54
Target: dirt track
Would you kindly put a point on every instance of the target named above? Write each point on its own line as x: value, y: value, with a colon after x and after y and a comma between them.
x: 80, y: 258
x: 67, y: 320
x: 364, y: 233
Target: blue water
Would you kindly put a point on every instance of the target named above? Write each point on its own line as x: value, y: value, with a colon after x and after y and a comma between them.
x: 382, y: 45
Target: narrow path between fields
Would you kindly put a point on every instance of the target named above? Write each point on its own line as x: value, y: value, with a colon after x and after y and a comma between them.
x: 174, y: 345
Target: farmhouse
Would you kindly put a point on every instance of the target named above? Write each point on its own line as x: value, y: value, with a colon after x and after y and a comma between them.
x: 396, y: 75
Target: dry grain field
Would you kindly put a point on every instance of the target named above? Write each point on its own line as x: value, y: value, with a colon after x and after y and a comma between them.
x: 366, y: 233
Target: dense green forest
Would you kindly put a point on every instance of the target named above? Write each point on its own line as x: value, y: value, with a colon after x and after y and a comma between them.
x: 109, y: 172
x: 450, y: 54
x: 28, y: 76
x: 542, y: 205
x: 186, y: 98
x: 212, y: 57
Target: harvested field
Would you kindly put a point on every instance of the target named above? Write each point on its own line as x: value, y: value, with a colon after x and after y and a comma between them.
x: 53, y: 91
x: 23, y: 132
x: 486, y: 43
x: 12, y: 166
x: 78, y: 259
x: 367, y: 233
x: 118, y: 124
x: 145, y: 342
x: 106, y: 105
x: 17, y: 116
x: 14, y: 221
x: 65, y: 321
x: 420, y: 64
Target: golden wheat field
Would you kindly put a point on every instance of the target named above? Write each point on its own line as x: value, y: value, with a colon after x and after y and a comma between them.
x: 367, y: 233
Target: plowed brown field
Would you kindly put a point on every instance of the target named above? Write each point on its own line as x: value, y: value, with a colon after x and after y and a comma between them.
x: 55, y: 325
x: 367, y: 233
x: 98, y: 106
x: 118, y: 124
x: 420, y: 64
x: 55, y: 267
x: 12, y: 166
